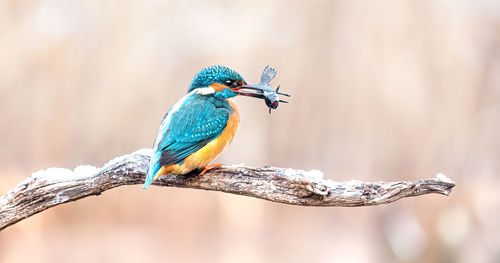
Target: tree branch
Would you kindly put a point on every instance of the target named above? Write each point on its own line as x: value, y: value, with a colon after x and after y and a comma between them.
x: 54, y: 186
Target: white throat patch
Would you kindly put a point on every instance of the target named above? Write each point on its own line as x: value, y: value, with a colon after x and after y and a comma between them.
x: 205, y: 91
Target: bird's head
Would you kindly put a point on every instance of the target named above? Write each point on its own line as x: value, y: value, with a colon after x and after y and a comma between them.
x: 222, y: 82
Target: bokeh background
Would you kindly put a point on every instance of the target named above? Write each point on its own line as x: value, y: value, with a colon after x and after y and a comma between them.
x: 382, y: 90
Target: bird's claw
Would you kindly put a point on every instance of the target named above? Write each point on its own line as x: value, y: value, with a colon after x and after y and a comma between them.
x: 210, y: 167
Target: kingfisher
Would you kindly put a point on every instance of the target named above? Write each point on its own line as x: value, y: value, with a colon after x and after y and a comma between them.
x: 200, y: 125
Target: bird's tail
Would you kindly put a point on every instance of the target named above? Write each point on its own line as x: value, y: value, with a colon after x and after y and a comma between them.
x: 154, y: 166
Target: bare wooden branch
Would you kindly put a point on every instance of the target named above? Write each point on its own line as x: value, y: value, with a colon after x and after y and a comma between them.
x: 54, y: 186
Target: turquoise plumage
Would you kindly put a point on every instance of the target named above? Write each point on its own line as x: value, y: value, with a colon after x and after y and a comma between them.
x: 184, y: 132
x: 195, y: 121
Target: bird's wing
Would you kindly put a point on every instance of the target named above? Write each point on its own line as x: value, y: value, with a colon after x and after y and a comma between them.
x: 186, y: 128
x: 189, y: 129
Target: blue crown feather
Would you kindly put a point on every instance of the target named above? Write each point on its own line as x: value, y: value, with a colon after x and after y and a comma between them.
x: 213, y: 74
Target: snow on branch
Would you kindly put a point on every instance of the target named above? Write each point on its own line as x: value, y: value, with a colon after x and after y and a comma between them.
x: 55, y: 186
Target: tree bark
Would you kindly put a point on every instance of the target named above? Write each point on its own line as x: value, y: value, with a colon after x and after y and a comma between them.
x: 55, y: 186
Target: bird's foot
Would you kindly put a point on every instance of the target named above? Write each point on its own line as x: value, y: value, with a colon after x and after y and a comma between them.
x: 209, y: 167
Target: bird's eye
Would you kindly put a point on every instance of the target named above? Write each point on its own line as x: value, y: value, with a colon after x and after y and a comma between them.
x: 229, y: 82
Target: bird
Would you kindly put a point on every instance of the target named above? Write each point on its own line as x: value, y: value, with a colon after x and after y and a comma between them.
x: 200, y: 125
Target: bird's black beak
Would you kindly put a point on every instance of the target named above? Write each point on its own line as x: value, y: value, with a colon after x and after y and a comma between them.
x: 243, y: 90
x: 259, y: 91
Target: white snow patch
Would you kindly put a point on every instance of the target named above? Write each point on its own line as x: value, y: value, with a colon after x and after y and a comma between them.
x: 114, y: 160
x: 61, y: 174
x: 238, y: 165
x: 290, y: 172
x: 313, y: 175
x: 60, y: 198
x: 348, y: 185
x: 83, y: 171
x: 316, y: 175
x: 54, y: 173
x: 443, y: 178
x: 143, y: 151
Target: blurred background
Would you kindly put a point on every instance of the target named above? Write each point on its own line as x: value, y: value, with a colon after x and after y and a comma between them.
x: 382, y: 90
